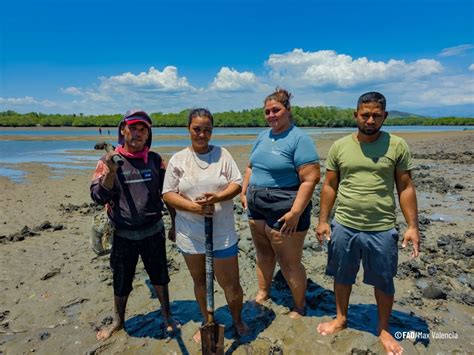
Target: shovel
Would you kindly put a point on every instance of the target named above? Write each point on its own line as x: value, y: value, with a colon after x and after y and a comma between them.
x: 117, y: 159
x: 212, y: 334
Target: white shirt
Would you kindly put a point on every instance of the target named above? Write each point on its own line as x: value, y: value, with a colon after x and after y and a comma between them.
x: 191, y: 175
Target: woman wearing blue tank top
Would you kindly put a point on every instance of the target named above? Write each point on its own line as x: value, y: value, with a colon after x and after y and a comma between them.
x: 277, y: 189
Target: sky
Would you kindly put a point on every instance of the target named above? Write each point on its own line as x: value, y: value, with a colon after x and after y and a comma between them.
x: 106, y: 56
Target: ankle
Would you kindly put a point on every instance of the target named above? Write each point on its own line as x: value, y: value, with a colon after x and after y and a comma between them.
x: 341, y: 319
x: 299, y: 310
x: 117, y: 324
x: 262, y: 295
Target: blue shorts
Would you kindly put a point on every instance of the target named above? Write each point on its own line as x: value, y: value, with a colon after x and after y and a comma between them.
x: 233, y: 250
x: 270, y: 204
x: 377, y: 250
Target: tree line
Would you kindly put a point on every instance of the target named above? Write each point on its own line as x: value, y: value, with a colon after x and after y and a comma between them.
x: 321, y: 116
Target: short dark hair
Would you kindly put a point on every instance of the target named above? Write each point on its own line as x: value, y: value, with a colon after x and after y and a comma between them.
x: 200, y: 112
x: 372, y: 96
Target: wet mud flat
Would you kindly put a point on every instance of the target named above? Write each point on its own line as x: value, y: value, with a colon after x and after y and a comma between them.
x: 56, y: 292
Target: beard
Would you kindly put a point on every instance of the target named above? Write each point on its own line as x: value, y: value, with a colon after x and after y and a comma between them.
x: 369, y: 131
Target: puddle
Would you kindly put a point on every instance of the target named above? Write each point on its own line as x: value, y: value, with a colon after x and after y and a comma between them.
x: 13, y: 174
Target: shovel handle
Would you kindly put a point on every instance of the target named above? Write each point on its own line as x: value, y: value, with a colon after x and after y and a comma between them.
x: 117, y: 159
x: 212, y: 334
x: 209, y: 266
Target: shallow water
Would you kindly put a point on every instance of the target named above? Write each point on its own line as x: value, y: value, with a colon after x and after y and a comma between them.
x: 53, y: 151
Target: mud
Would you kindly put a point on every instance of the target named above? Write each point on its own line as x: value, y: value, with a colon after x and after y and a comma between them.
x: 56, y: 293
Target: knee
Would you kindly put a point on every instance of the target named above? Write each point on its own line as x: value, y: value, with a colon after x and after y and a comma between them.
x: 264, y: 258
x: 233, y: 289
x: 265, y: 254
x: 290, y: 266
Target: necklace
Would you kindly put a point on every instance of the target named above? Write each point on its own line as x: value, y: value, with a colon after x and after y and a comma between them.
x: 197, y: 159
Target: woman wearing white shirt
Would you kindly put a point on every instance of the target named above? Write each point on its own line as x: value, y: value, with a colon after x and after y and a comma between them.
x: 200, y: 180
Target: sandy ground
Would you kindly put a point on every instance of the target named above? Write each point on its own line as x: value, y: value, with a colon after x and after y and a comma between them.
x: 55, y: 292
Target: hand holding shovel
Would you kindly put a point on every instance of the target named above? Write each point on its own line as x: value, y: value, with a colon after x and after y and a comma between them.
x: 117, y: 159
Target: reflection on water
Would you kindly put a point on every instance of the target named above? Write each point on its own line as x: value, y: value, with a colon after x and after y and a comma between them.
x: 71, y: 154
x: 13, y: 174
x: 60, y: 151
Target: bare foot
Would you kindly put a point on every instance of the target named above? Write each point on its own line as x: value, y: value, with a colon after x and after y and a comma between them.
x: 331, y: 327
x: 108, y: 331
x: 297, y: 313
x: 197, y: 336
x: 171, y: 324
x: 390, y: 345
x: 261, y: 297
x: 241, y: 329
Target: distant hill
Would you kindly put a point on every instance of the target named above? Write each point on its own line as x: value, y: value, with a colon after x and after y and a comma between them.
x: 400, y: 114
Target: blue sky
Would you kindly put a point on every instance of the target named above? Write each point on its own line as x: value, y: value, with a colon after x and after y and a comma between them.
x: 105, y: 56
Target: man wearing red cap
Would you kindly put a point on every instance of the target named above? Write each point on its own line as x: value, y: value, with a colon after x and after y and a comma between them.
x: 132, y: 195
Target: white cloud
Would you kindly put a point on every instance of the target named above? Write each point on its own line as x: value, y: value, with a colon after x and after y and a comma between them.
x: 86, y: 95
x: 72, y: 91
x: 229, y: 79
x: 446, y: 91
x: 327, y: 68
x: 25, y: 101
x: 167, y: 80
x: 137, y: 90
x: 315, y: 78
x: 457, y: 50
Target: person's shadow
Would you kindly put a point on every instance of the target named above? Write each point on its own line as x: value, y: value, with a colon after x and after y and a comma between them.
x: 150, y: 325
x: 364, y: 317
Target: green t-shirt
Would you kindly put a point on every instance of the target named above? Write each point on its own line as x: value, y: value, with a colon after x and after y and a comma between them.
x: 366, y: 180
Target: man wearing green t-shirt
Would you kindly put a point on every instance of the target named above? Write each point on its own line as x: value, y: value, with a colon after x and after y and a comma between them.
x: 362, y: 170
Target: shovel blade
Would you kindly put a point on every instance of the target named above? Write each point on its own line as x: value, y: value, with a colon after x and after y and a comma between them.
x: 212, y: 339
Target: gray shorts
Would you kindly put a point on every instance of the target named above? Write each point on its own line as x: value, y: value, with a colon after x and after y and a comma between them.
x: 377, y: 250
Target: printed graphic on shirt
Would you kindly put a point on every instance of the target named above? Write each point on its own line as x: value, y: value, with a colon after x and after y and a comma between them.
x: 136, y: 176
x: 275, y: 150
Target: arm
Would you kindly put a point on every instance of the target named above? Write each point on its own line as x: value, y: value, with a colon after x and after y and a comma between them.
x: 205, y: 204
x: 245, y: 185
x: 234, y: 180
x: 228, y: 193
x: 179, y: 202
x: 309, y: 176
x: 328, y: 197
x: 109, y: 177
x: 408, y: 204
x: 103, y: 180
